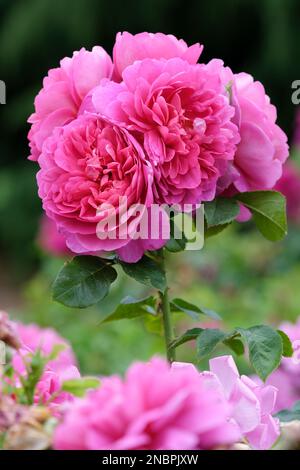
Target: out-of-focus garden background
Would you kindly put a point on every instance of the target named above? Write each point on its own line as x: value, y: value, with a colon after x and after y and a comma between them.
x: 240, y: 275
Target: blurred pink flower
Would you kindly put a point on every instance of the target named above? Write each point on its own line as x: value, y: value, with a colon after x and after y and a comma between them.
x: 181, y: 115
x: 152, y: 408
x: 296, y: 140
x: 287, y: 377
x: 63, y: 367
x: 252, y: 403
x: 63, y: 90
x: 50, y: 240
x: 129, y: 48
x: 87, y: 167
x: 289, y: 186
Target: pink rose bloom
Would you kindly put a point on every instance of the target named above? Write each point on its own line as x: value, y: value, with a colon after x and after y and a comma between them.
x: 263, y: 148
x: 287, y: 377
x: 152, y: 408
x: 252, y: 403
x: 289, y: 186
x: 32, y: 337
x: 87, y: 168
x: 50, y: 240
x: 180, y: 113
x: 63, y: 367
x: 63, y: 91
x: 129, y: 48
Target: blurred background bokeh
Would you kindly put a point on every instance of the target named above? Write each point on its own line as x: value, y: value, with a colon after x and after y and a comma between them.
x: 240, y: 275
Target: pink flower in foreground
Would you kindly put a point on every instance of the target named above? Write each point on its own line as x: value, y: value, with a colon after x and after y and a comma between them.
x: 63, y: 91
x: 252, y: 403
x: 289, y: 186
x: 129, y: 48
x: 263, y: 148
x: 152, y: 408
x: 181, y: 115
x: 63, y: 367
x: 87, y: 167
x: 50, y: 240
x: 287, y: 377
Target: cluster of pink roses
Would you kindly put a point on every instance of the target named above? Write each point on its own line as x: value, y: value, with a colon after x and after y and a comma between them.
x: 154, y: 126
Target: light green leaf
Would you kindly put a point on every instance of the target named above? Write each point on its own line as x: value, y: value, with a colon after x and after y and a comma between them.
x: 83, y: 281
x: 80, y: 386
x: 269, y: 212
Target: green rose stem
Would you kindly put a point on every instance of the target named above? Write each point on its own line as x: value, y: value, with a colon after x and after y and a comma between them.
x: 164, y: 307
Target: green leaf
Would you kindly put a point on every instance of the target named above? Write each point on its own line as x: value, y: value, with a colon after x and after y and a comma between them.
x: 79, y: 387
x: 146, y: 271
x: 83, y: 281
x: 287, y: 348
x: 192, y: 310
x: 175, y: 245
x: 189, y: 335
x: 290, y: 415
x: 236, y: 345
x: 208, y: 340
x: 132, y: 308
x: 212, y: 231
x: 265, y: 348
x: 220, y: 211
x: 269, y: 212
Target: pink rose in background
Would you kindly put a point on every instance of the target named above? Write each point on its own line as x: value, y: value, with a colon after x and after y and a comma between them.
x: 86, y: 167
x: 252, y: 403
x: 296, y: 140
x: 152, y: 408
x: 129, y: 48
x: 181, y: 115
x: 50, y: 240
x: 63, y: 367
x: 263, y: 148
x: 63, y: 90
x: 289, y: 186
x: 287, y: 377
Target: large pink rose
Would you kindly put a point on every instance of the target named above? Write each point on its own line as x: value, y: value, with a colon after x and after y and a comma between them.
x: 263, y: 148
x: 181, y: 115
x: 63, y: 90
x: 88, y: 168
x: 152, y: 408
x: 129, y: 48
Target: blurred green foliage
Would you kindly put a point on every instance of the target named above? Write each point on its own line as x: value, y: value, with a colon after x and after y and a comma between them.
x: 260, y: 36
